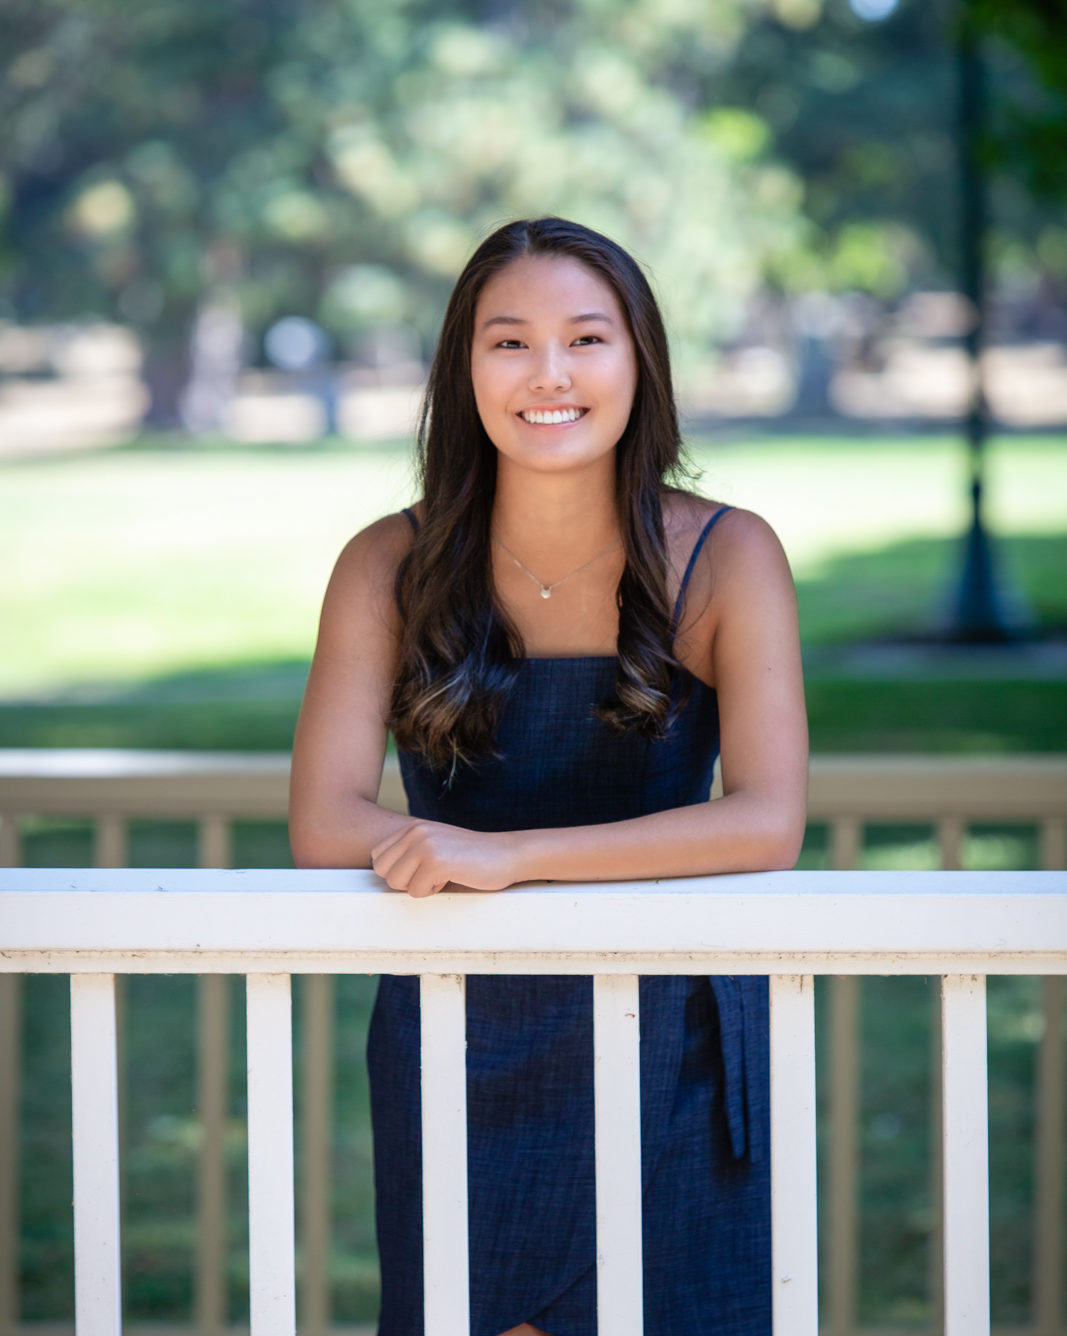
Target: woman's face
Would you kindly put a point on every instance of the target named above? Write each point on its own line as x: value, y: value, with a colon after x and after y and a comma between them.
x: 553, y: 365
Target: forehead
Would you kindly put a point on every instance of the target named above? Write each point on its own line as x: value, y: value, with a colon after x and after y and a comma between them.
x: 540, y: 287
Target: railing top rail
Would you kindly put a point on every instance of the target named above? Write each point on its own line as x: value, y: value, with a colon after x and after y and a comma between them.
x: 112, y: 762
x: 71, y: 781
x: 205, y: 921
x: 84, y: 781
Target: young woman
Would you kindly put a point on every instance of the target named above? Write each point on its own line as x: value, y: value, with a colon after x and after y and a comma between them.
x: 562, y: 644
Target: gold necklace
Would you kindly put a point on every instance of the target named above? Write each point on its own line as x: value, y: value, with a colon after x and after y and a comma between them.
x: 546, y: 590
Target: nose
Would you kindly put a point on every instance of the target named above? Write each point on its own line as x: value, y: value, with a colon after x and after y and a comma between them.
x: 551, y: 371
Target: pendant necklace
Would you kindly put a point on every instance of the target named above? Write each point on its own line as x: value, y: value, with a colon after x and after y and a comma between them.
x: 546, y: 590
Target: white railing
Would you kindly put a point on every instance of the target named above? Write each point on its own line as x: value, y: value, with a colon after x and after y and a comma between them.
x: 849, y: 795
x: 213, y: 789
x: 97, y: 924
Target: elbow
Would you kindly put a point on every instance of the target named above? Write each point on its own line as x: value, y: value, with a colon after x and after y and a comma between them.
x: 775, y: 840
x: 306, y: 851
x: 783, y: 853
x: 311, y: 848
x: 306, y: 858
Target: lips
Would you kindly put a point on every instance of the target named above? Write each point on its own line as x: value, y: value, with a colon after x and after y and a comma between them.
x: 551, y: 417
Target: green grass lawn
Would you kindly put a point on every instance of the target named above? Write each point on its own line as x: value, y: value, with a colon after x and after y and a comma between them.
x: 166, y: 597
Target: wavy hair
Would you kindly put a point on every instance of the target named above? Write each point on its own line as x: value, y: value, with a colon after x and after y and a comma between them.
x: 460, y: 653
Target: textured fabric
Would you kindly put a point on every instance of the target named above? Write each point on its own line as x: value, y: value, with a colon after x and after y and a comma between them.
x: 705, y: 1173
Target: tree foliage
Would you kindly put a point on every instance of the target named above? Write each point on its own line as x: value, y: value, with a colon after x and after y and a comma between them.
x: 1029, y: 133
x: 340, y: 158
x: 866, y: 115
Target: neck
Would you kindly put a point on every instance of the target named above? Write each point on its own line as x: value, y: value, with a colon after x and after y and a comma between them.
x: 570, y: 514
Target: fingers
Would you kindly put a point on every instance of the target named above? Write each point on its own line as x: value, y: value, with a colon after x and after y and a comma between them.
x: 405, y: 862
x: 425, y: 856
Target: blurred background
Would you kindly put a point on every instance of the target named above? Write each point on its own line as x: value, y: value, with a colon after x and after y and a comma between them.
x: 227, y: 232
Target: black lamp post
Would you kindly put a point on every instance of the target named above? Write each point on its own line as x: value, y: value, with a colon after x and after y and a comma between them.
x: 977, y: 613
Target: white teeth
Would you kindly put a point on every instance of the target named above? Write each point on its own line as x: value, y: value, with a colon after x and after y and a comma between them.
x: 554, y: 418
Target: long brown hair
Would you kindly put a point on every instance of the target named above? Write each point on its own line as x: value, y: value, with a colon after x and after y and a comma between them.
x: 460, y: 653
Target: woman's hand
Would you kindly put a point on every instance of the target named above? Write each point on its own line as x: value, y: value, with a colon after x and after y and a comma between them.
x: 425, y: 856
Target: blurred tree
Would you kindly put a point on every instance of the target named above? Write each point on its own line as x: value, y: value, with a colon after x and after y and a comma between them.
x: 122, y: 124
x: 861, y: 104
x: 338, y: 158
x: 1029, y: 132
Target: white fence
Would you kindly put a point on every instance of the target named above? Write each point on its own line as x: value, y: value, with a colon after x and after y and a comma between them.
x: 849, y: 795
x: 95, y: 925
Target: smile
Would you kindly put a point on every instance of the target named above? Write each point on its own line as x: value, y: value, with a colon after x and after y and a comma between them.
x: 552, y: 417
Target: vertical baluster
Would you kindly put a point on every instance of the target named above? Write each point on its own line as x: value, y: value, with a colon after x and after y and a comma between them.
x: 846, y: 846
x: 965, y: 1152
x: 1049, y: 1165
x: 1053, y: 843
x: 935, y: 1259
x: 10, y: 840
x: 316, y: 1176
x: 10, y: 1012
x: 446, y: 1266
x: 271, y: 1222
x: 793, y: 1185
x: 214, y: 841
x: 213, y: 1028
x: 844, y: 1152
x: 94, y: 1097
x: 110, y: 841
x: 846, y: 843
x: 617, y: 1091
x: 950, y: 832
x: 111, y: 849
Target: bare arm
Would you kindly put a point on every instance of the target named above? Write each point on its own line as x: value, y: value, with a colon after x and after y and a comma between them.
x: 334, y: 818
x: 750, y: 635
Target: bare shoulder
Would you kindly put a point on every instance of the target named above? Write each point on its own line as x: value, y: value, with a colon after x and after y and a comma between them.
x: 376, y: 551
x: 738, y: 536
x: 745, y: 537
x: 359, y: 596
x: 738, y: 572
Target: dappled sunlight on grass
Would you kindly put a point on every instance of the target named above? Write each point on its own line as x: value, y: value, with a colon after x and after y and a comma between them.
x: 915, y: 848
x: 138, y: 563
x: 903, y: 590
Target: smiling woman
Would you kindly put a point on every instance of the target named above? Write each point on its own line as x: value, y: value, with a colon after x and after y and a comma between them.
x: 560, y: 641
x: 553, y: 366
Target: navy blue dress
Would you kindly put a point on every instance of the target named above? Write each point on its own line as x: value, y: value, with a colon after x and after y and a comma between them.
x: 704, y: 1062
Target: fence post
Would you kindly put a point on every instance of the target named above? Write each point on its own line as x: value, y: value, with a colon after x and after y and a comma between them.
x: 213, y: 1029
x: 965, y: 1142
x: 95, y: 1109
x: 446, y: 1262
x: 617, y: 1095
x: 794, y: 1234
x: 316, y: 1144
x: 843, y: 1151
x: 271, y: 1216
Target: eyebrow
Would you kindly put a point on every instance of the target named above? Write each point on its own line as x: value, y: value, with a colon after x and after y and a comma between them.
x: 582, y: 319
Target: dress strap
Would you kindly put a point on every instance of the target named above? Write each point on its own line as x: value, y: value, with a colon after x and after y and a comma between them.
x: 411, y: 518
x: 693, y: 561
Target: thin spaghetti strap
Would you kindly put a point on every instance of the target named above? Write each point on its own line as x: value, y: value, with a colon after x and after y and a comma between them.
x: 411, y: 518
x: 693, y: 561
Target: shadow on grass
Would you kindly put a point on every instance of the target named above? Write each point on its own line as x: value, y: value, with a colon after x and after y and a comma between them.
x: 903, y: 592
x: 242, y: 707
x: 876, y: 680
